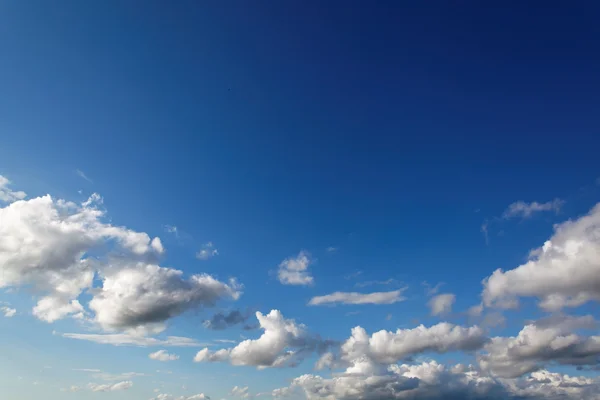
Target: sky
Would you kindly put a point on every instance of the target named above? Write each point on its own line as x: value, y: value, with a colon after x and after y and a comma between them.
x: 299, y: 200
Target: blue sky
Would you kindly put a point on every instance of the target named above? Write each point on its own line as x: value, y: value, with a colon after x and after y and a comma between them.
x: 291, y: 151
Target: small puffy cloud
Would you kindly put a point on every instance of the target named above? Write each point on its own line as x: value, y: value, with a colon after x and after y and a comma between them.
x: 124, y: 385
x: 146, y: 294
x: 8, y: 312
x: 564, y: 272
x: 128, y: 339
x: 359, y: 298
x: 6, y: 194
x: 207, y: 251
x: 220, y: 320
x: 331, y: 249
x: 294, y: 270
x: 441, y: 304
x: 163, y: 355
x: 241, y: 392
x: 523, y: 209
x: 283, y: 343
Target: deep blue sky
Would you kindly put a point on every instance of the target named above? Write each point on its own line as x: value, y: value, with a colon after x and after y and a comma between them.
x: 390, y: 130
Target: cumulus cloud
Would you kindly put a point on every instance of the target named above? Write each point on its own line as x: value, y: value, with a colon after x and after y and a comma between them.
x: 283, y: 343
x: 387, y: 347
x: 359, y: 298
x: 6, y: 194
x: 294, y: 270
x: 145, y: 294
x: 8, y: 312
x: 207, y: 251
x: 128, y: 339
x: 220, y: 320
x: 549, y: 341
x: 441, y: 304
x: 124, y: 385
x: 564, y: 272
x: 163, y: 355
x: 523, y: 209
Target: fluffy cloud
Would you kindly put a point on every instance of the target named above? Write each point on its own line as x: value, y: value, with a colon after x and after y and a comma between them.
x: 387, y: 347
x: 564, y: 272
x: 221, y: 320
x: 525, y: 210
x: 207, y: 251
x: 146, y: 294
x: 441, y: 304
x: 44, y: 245
x: 283, y: 343
x: 163, y: 355
x: 124, y: 385
x: 294, y: 270
x: 6, y: 194
x: 129, y: 339
x: 8, y: 312
x: 538, y: 344
x: 359, y: 298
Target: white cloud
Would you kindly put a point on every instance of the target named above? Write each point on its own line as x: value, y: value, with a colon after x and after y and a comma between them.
x: 525, y: 210
x: 163, y: 355
x: 442, y: 303
x: 166, y: 396
x: 283, y: 343
x: 241, y: 392
x: 8, y: 312
x: 359, y: 298
x: 44, y: 245
x: 538, y: 344
x: 564, y: 272
x: 146, y: 294
x: 207, y: 251
x: 331, y: 249
x: 385, y: 347
x: 124, y: 385
x: 7, y: 195
x: 294, y: 270
x: 125, y: 339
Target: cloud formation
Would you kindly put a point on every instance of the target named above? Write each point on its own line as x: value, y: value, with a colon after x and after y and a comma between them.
x: 208, y: 250
x: 441, y: 304
x: 294, y: 270
x: 283, y: 343
x: 359, y: 298
x: 163, y: 355
x: 523, y: 209
x: 221, y: 321
x: 564, y: 272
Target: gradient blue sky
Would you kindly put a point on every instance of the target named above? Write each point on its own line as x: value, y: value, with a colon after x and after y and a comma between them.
x: 389, y: 131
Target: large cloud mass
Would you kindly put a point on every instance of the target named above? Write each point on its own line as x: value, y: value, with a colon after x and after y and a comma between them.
x: 564, y: 272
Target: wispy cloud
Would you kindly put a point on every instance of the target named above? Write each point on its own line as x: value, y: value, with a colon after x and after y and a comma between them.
x: 524, y: 210
x: 123, y: 339
x: 82, y: 175
x: 331, y: 249
x: 371, y: 283
x: 353, y: 275
x: 359, y: 298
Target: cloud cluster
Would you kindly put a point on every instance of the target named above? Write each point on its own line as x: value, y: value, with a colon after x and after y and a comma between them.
x: 208, y: 250
x: 564, y: 272
x: 8, y: 312
x: 124, y: 385
x: 283, y: 343
x: 60, y: 248
x: 525, y: 210
x: 294, y: 270
x: 549, y: 341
